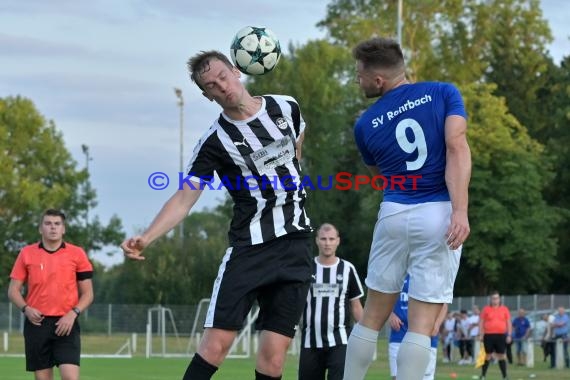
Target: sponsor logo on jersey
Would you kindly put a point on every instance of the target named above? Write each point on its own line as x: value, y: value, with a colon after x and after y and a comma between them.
x: 281, y: 123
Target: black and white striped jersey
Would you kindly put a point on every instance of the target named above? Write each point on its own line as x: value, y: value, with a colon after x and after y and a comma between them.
x: 327, y: 313
x: 255, y: 160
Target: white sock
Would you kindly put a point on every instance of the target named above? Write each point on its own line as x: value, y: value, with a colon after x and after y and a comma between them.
x: 413, y: 356
x: 359, y: 352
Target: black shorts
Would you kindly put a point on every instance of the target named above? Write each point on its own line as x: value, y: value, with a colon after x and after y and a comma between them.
x: 44, y: 349
x: 315, y: 361
x: 276, y: 273
x: 496, y: 343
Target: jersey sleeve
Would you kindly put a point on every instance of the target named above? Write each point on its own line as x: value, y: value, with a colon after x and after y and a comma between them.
x: 202, y: 164
x: 84, y: 267
x: 355, y: 289
x: 298, y: 121
x: 453, y: 101
x: 507, y: 314
x: 19, y: 271
x: 361, y: 144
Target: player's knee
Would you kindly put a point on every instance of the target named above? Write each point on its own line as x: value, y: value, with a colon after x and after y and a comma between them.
x: 270, y: 363
x: 214, y: 352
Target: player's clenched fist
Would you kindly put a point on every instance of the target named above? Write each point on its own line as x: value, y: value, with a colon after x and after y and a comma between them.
x: 133, y: 247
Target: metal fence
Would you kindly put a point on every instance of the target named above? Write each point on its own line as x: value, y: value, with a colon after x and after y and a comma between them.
x: 112, y: 319
x: 531, y: 303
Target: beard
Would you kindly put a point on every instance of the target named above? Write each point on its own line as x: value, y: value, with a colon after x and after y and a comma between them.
x: 375, y: 93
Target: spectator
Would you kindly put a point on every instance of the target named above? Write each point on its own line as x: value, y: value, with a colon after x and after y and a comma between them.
x: 560, y: 327
x: 540, y: 332
x: 521, y: 333
x: 448, y: 336
x: 465, y: 346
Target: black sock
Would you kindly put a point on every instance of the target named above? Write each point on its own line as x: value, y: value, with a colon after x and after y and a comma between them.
x: 485, y: 367
x: 260, y: 376
x: 199, y: 369
x: 503, y: 367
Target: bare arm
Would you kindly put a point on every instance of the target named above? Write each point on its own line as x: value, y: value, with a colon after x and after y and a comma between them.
x: 172, y: 213
x: 15, y: 295
x: 85, y: 294
x: 481, y: 330
x: 509, y: 326
x: 356, y: 309
x: 66, y: 322
x: 374, y: 170
x: 299, y: 145
x: 457, y: 176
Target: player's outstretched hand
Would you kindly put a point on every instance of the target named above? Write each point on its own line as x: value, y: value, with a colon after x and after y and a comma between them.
x: 458, y: 230
x: 133, y: 247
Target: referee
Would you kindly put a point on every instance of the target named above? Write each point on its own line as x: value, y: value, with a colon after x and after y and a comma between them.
x: 57, y: 275
x: 256, y: 139
x: 335, y: 290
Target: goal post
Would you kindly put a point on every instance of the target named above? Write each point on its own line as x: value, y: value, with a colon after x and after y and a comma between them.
x: 243, y: 344
x: 163, y: 339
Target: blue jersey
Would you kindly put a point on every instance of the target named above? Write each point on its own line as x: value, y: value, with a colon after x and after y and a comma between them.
x: 403, y: 134
x: 401, y: 310
x: 520, y: 327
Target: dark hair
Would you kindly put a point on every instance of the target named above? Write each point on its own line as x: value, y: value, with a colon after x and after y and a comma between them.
x: 377, y: 52
x: 53, y: 212
x: 200, y: 63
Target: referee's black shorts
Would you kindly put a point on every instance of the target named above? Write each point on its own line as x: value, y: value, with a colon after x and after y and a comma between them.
x: 44, y: 349
x: 276, y: 273
x: 496, y: 343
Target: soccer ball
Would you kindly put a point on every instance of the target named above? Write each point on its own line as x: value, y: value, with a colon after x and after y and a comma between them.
x: 255, y: 51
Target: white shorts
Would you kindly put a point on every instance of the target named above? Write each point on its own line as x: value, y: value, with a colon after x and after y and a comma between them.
x: 411, y: 239
x: 393, y: 356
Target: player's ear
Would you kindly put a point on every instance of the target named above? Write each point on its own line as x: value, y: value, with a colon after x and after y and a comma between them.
x: 379, y: 81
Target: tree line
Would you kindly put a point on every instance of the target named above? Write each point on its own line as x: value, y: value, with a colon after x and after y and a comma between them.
x: 517, y: 99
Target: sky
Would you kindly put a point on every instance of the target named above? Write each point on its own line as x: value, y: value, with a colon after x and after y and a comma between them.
x: 105, y: 71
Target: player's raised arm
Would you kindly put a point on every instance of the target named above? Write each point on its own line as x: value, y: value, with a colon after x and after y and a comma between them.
x: 172, y: 213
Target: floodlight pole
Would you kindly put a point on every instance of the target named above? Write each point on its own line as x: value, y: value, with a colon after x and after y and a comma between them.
x: 400, y: 6
x: 178, y: 93
x: 88, y: 158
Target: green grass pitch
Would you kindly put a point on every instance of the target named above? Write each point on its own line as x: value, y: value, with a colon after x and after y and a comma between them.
x: 242, y: 369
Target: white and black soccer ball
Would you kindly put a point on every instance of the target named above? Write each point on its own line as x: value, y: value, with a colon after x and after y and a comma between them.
x: 255, y: 50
